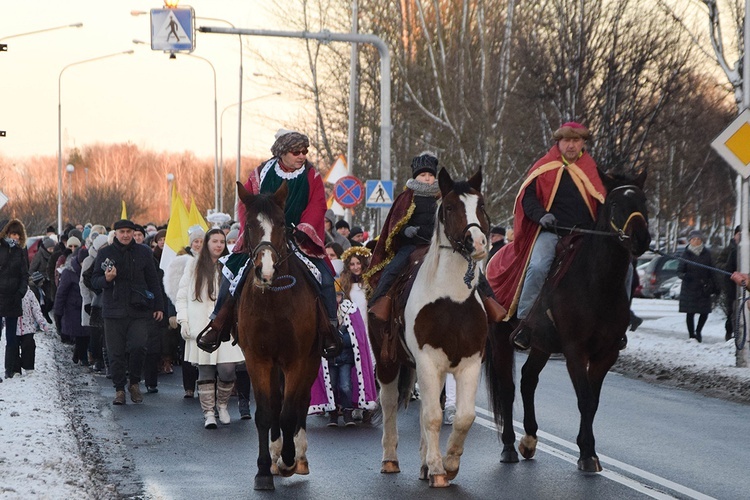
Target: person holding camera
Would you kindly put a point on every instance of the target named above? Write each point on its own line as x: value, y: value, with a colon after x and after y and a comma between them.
x: 126, y: 274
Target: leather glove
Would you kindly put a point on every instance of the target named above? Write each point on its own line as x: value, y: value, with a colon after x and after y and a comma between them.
x: 411, y: 231
x: 548, y: 221
x: 173, y: 322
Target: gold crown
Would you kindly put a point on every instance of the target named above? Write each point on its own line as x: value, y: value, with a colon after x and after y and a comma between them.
x: 358, y: 251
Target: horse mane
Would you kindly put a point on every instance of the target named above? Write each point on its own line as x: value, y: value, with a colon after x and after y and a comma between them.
x: 461, y: 187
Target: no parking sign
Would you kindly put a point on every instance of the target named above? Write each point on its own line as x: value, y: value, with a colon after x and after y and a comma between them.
x: 348, y: 191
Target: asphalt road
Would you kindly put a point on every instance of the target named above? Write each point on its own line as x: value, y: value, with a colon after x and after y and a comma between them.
x: 654, y: 442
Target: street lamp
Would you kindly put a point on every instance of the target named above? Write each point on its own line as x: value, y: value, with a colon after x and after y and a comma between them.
x: 221, y: 142
x: 59, y: 130
x: 75, y: 25
x: 216, y: 143
x: 170, y: 179
x: 70, y: 169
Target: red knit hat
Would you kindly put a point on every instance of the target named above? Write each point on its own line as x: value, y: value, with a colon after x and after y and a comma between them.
x: 571, y: 130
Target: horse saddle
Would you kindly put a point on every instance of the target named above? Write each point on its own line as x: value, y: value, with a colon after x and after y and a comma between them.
x: 393, y: 344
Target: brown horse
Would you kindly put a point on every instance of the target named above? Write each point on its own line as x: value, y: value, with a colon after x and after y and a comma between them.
x: 278, y: 328
x: 590, y: 312
x: 445, y: 327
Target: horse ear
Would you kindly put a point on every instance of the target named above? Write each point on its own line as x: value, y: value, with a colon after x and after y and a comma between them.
x: 476, y: 180
x: 640, y: 179
x: 609, y: 182
x: 445, y: 182
x: 242, y: 192
x: 280, y: 195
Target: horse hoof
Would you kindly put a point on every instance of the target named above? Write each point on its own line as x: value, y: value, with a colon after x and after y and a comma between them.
x: 389, y: 467
x: 451, y: 474
x: 527, y: 447
x: 424, y: 473
x: 264, y: 483
x: 439, y: 481
x: 275, y: 469
x: 303, y: 468
x: 509, y: 454
x: 286, y: 471
x: 590, y: 464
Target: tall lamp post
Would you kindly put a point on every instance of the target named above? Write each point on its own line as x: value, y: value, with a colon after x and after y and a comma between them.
x: 59, y: 129
x: 239, y: 99
x: 216, y: 139
x: 221, y: 144
x: 70, y: 168
x: 170, y: 179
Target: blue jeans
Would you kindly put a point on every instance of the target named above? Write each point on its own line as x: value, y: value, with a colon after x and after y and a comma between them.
x: 341, y: 384
x: 541, y: 259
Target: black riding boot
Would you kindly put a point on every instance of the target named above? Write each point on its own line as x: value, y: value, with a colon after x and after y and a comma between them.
x: 331, y: 343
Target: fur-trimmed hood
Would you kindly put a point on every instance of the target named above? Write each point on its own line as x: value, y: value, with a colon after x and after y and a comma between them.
x: 14, y: 226
x: 173, y: 274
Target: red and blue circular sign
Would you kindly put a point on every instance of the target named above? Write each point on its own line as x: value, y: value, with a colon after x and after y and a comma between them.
x: 348, y: 191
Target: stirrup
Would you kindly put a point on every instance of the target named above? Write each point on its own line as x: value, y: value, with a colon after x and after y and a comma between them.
x: 208, y: 339
x: 521, y: 337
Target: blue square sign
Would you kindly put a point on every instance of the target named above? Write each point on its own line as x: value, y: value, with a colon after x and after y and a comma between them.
x: 173, y: 30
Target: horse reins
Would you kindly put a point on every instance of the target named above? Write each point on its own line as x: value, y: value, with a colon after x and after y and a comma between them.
x: 692, y: 263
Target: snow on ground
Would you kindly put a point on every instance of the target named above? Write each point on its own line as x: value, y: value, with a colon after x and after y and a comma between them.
x: 40, y: 456
x: 39, y: 453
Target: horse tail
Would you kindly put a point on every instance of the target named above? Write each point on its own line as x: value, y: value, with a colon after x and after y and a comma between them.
x: 407, y: 377
x: 499, y: 369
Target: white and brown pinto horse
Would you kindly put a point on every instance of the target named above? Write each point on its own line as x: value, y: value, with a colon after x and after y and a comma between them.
x: 445, y: 328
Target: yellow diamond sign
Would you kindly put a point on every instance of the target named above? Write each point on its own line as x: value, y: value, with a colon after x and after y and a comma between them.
x: 733, y: 144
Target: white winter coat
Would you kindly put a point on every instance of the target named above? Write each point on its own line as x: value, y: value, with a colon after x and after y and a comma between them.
x: 193, y: 317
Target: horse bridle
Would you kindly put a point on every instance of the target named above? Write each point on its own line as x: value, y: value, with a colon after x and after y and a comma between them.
x: 619, y: 232
x: 267, y: 244
x: 461, y: 249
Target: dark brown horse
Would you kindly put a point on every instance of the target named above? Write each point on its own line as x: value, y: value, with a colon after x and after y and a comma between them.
x: 589, y: 308
x: 445, y: 329
x: 278, y: 327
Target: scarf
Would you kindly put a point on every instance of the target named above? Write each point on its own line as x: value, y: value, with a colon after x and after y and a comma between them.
x: 422, y: 188
x: 696, y: 249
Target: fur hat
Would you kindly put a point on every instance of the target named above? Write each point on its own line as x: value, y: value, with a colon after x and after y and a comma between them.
x: 571, y: 130
x: 287, y: 140
x: 196, y: 233
x: 696, y: 234
x: 233, y: 234
x: 424, y: 162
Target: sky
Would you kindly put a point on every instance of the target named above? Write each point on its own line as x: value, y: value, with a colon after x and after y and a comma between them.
x: 40, y: 456
x: 144, y: 98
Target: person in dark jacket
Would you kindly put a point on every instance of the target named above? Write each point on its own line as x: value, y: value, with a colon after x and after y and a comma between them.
x: 14, y: 281
x: 697, y: 284
x: 68, y: 304
x: 728, y: 262
x: 132, y: 299
x: 497, y: 240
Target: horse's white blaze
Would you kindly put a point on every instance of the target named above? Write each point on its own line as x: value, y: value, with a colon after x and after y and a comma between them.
x: 266, y: 259
x: 471, y: 202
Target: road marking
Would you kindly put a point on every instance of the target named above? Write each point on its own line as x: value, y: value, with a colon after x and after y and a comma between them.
x: 609, y: 474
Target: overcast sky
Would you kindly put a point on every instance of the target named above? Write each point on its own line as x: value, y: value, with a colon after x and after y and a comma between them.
x: 143, y: 98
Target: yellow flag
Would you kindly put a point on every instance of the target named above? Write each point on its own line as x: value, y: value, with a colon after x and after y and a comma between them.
x: 124, y: 214
x: 195, y: 217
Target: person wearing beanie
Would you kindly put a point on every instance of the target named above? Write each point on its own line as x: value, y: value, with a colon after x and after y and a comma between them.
x: 304, y: 211
x: 497, y: 240
x: 357, y: 236
x: 409, y: 224
x: 342, y: 227
x: 196, y: 236
x: 563, y: 189
x: 698, y: 285
x: 139, y: 234
x: 14, y: 281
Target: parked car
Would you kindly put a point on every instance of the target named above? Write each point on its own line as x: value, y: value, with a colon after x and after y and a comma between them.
x: 660, y: 269
x: 640, y: 269
x: 670, y: 288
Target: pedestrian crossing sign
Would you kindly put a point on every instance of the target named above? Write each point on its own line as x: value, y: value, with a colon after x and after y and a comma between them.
x: 173, y: 30
x: 378, y: 193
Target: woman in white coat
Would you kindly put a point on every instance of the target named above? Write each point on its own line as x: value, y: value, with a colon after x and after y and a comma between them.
x: 196, y: 296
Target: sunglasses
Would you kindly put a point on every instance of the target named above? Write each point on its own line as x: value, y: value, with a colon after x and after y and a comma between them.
x: 73, y: 247
x: 297, y: 153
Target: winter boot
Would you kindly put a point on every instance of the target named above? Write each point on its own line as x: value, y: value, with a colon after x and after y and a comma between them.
x: 224, y: 391
x: 207, y: 397
x: 333, y: 418
x: 243, y: 394
x: 348, y: 418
